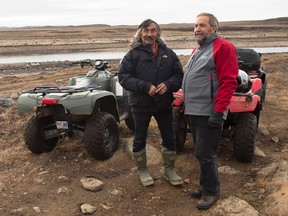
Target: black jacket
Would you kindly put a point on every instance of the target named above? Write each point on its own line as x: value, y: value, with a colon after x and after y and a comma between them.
x: 139, y: 69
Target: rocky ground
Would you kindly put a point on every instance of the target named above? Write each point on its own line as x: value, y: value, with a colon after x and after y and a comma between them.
x: 54, y: 183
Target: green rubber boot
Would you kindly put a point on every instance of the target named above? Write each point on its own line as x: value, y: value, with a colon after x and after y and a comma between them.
x: 169, y: 172
x: 141, y: 160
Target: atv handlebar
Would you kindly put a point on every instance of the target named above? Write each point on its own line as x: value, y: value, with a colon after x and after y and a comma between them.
x: 99, y: 64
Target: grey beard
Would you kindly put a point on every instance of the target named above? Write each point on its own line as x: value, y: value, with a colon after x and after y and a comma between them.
x: 202, y: 41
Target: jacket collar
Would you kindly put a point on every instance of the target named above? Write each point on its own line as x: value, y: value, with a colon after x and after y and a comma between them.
x: 148, y: 49
x: 209, y: 40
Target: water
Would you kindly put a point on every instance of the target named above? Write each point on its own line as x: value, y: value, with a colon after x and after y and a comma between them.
x: 104, y: 55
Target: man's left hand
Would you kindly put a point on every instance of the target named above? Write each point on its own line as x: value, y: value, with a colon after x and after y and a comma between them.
x: 161, y: 88
x: 215, y: 120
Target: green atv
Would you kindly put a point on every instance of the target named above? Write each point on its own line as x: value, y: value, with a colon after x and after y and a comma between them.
x: 90, y: 106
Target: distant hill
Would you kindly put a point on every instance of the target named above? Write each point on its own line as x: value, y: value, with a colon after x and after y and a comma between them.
x: 273, y: 21
x: 280, y: 20
x: 56, y: 26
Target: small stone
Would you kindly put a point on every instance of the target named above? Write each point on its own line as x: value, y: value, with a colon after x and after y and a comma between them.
x: 64, y: 178
x: 275, y: 139
x: 259, y: 152
x: 91, y: 184
x: 116, y: 192
x: 43, y: 173
x: 37, y: 209
x: 63, y: 190
x: 87, y: 209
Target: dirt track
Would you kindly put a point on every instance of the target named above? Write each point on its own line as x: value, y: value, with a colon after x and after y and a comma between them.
x: 51, y: 181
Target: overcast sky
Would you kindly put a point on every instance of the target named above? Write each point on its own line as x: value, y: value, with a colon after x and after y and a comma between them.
x: 17, y: 13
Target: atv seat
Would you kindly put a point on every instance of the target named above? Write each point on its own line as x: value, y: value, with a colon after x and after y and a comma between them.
x: 87, y: 83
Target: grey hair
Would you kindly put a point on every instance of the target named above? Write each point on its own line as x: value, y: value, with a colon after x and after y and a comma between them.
x: 136, y: 39
x: 213, y: 21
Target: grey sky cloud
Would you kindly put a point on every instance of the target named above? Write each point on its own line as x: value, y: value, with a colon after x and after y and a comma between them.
x: 15, y: 13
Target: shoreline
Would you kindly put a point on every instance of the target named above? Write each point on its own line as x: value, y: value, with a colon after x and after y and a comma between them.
x: 78, y: 39
x: 15, y: 51
x: 52, y: 66
x: 71, y: 39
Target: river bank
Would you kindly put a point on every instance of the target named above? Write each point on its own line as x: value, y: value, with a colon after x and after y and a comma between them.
x: 92, y: 38
x: 105, y: 38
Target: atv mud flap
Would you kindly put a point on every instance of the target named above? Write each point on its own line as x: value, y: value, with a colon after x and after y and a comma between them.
x: 244, y: 103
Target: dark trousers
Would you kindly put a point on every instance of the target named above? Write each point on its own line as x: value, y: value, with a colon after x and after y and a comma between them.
x: 165, y: 124
x: 206, y: 142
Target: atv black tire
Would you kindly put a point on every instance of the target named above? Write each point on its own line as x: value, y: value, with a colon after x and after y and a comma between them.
x: 101, y: 135
x: 180, y: 127
x: 244, y: 136
x: 33, y: 135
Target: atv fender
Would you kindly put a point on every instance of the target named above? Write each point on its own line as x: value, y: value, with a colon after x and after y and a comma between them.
x: 80, y: 103
x: 83, y: 103
x: 244, y: 103
x: 27, y: 101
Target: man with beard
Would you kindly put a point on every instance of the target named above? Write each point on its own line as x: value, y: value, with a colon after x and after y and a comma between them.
x: 152, y: 72
x: 208, y: 85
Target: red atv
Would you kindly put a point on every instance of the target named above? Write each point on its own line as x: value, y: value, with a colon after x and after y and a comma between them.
x: 244, y: 110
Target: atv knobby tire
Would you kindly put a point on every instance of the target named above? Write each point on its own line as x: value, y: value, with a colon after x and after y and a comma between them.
x: 244, y: 136
x: 34, y: 133
x: 101, y: 135
x: 180, y: 127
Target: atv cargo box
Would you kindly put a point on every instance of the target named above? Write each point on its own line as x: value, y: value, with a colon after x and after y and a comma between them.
x: 248, y: 59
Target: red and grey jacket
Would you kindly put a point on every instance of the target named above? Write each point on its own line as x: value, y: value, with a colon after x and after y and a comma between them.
x: 210, y: 77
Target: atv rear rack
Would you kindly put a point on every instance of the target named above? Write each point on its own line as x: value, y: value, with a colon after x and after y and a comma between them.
x: 66, y: 89
x: 248, y: 95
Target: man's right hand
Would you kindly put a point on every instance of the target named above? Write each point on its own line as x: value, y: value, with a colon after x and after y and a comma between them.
x: 152, y: 90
